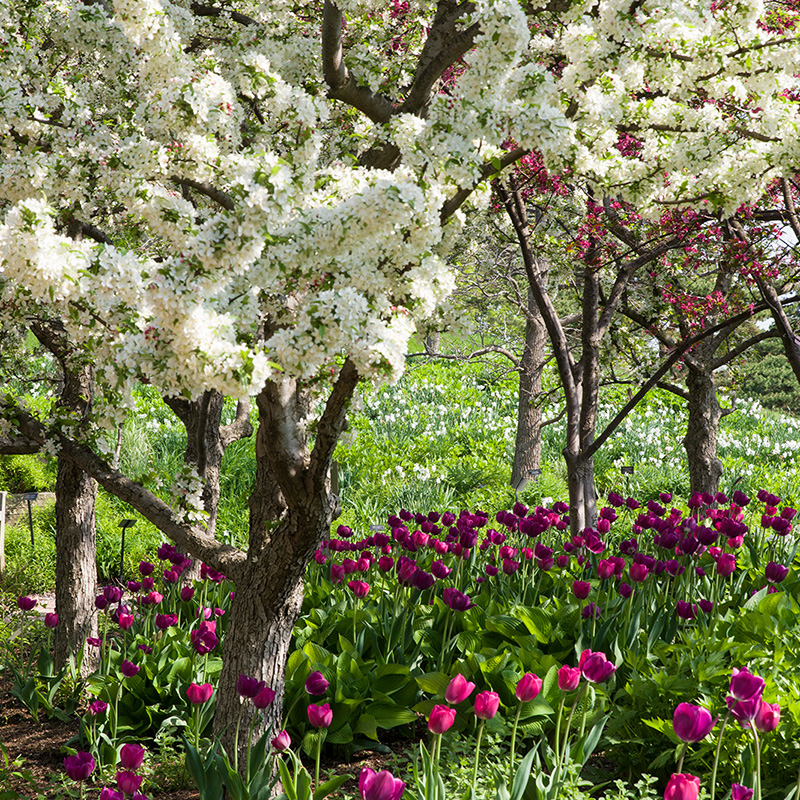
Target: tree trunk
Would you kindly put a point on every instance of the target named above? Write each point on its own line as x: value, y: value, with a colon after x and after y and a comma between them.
x: 582, y: 493
x: 76, y: 564
x: 528, y: 443
x: 702, y: 430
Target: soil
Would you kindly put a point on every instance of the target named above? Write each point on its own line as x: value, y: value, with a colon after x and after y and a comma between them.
x: 39, y: 747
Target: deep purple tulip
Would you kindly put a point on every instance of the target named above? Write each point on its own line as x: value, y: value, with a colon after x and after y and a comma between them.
x: 456, y: 600
x: 249, y: 687
x: 706, y: 606
x: 320, y: 716
x: 129, y: 669
x: 379, y: 785
x: 638, y: 572
x: 692, y: 723
x: 458, y: 690
x: 581, y: 589
x: 204, y: 637
x: 595, y: 667
x: 316, y: 684
x: 131, y: 756
x: 528, y: 687
x: 685, y: 610
x: 440, y: 569
x: 775, y: 573
x: 486, y: 705
x: 590, y: 611
x: 25, y: 603
x: 79, y: 767
x: 337, y: 573
x: 128, y: 782
x: 187, y: 593
x: 625, y: 590
x: 441, y: 719
x: 51, y: 620
x: 164, y: 621
x: 264, y: 698
x: 110, y: 794
x: 605, y: 569
x: 745, y: 685
x: 199, y: 693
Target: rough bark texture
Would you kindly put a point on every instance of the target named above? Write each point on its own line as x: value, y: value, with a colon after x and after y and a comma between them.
x: 76, y: 540
x: 528, y: 442
x: 702, y: 430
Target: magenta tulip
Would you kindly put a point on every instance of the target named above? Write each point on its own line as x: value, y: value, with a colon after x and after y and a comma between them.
x: 441, y: 719
x: 744, y: 711
x: 79, y: 767
x: 97, y: 707
x: 320, y: 716
x: 638, y: 572
x: 739, y: 792
x: 199, y: 694
x: 359, y: 588
x: 281, y: 742
x: 204, y: 638
x: 128, y: 782
x: 129, y: 669
x: 379, y: 785
x: 595, y: 667
x: 249, y: 687
x: 745, y: 685
x: 581, y: 589
x: 486, y: 705
x: 568, y: 678
x: 131, y: 756
x: 726, y: 565
x: 125, y: 621
x: 264, y: 698
x: 316, y: 684
x: 682, y: 787
x: 767, y: 717
x: 692, y: 723
x: 458, y: 690
x: 528, y: 687
x: 110, y: 794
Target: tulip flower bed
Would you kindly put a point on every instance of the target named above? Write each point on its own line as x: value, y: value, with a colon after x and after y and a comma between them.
x: 665, y: 638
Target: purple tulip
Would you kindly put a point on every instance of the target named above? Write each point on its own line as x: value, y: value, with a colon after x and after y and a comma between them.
x: 316, y: 684
x: 131, y: 756
x: 79, y: 767
x: 595, y: 667
x: 128, y: 782
x: 625, y: 590
x: 638, y: 572
x: 97, y: 707
x: 528, y: 687
x: 591, y: 611
x: 51, y: 620
x: 745, y: 685
x: 320, y: 716
x: 249, y: 687
x: 739, y: 792
x: 281, y: 742
x: 706, y: 606
x: 568, y: 678
x: 441, y: 719
x: 726, y: 564
x: 456, y: 600
x: 359, y: 588
x: 25, y: 603
x: 767, y: 717
x: 187, y: 593
x: 581, y: 589
x: 685, y: 610
x: 199, y: 693
x: 110, y: 794
x: 379, y: 785
x: 264, y: 698
x: 692, y: 723
x: 204, y: 637
x: 486, y: 705
x: 164, y: 621
x: 458, y: 690
x: 129, y: 669
x: 775, y: 573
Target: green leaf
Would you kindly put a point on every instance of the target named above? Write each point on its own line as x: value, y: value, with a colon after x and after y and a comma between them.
x: 433, y: 682
x: 331, y: 786
x: 388, y: 716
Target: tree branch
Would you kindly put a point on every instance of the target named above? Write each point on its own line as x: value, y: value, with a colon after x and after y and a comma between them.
x: 741, y: 347
x: 240, y: 428
x: 341, y: 84
x: 19, y: 447
x: 211, y: 192
x: 192, y: 538
x: 203, y: 10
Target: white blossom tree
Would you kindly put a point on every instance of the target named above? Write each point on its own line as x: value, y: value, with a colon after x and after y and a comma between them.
x: 256, y: 201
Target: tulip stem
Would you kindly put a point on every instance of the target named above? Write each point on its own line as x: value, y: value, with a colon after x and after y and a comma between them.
x: 558, y: 727
x: 564, y: 750
x: 683, y: 753
x: 757, y: 782
x: 477, y: 756
x: 316, y: 760
x: 514, y: 740
x: 236, y: 739
x: 716, y: 755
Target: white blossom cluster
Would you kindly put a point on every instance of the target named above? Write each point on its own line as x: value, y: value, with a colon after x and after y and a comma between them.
x: 229, y: 189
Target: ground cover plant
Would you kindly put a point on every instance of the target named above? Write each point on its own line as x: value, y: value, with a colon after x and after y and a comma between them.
x: 504, y: 631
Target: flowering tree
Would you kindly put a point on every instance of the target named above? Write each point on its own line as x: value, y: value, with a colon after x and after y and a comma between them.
x: 256, y: 202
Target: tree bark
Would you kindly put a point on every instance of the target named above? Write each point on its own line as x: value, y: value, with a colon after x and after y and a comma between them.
x: 76, y: 539
x: 528, y: 442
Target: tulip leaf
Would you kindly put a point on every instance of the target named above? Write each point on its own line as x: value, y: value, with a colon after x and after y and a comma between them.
x: 367, y: 725
x: 390, y: 716
x: 331, y: 786
x: 433, y: 682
